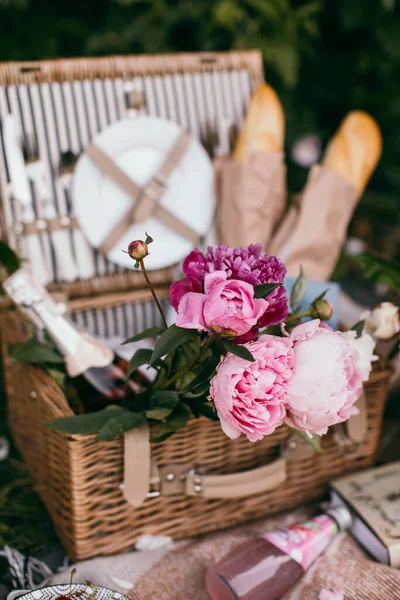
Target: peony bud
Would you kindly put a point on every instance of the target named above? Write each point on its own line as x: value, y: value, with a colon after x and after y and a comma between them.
x: 321, y: 309
x: 383, y: 322
x: 138, y: 250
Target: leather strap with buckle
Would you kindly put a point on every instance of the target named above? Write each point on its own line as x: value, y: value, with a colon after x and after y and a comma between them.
x: 146, y: 198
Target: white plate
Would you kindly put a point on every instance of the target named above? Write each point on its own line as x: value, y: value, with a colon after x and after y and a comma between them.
x: 139, y: 147
x: 53, y: 592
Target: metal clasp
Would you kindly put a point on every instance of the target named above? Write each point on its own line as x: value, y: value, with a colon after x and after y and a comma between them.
x: 156, y: 187
x: 150, y: 494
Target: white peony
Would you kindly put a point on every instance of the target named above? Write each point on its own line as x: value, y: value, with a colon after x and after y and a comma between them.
x: 383, y: 322
x: 364, y: 346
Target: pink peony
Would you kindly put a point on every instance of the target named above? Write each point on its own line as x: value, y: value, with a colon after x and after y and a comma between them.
x: 227, y: 307
x: 326, y: 380
x: 248, y: 263
x: 251, y: 397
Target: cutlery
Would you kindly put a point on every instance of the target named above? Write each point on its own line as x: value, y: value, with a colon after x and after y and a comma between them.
x: 209, y: 139
x: 134, y: 98
x: 21, y: 193
x: 233, y: 136
x: 67, y: 163
x: 34, y: 172
x: 35, y: 168
x: 83, y: 251
x: 222, y: 147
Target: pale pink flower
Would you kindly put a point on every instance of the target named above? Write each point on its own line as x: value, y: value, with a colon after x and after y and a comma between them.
x: 227, y: 307
x: 326, y: 380
x: 250, y: 397
x: 383, y: 322
x: 364, y: 345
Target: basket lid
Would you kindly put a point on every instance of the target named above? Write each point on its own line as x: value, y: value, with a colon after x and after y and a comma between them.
x: 58, y: 107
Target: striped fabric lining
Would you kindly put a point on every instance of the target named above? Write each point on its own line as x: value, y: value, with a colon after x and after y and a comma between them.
x: 65, y: 116
x: 123, y: 320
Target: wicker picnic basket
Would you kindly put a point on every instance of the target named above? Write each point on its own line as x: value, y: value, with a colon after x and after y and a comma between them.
x: 202, y: 481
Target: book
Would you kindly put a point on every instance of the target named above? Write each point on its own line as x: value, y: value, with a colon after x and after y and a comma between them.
x: 373, y: 497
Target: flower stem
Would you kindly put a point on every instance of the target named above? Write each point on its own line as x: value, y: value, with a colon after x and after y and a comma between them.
x: 298, y: 316
x: 153, y: 293
x: 192, y: 362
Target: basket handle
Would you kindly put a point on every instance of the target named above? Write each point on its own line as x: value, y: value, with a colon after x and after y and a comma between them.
x: 144, y: 479
x: 236, y: 485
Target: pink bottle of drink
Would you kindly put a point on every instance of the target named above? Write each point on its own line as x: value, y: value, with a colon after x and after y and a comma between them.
x: 265, y: 568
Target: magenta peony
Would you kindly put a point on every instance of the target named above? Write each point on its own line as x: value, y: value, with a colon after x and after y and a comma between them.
x: 249, y: 264
x: 326, y: 379
x: 227, y: 307
x: 251, y: 397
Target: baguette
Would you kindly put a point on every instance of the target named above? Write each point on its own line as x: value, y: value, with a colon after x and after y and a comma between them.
x: 264, y: 125
x: 355, y: 149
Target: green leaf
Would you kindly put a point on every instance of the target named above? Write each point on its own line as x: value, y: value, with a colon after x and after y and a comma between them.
x: 321, y: 296
x: 140, y: 358
x: 201, y: 389
x: 9, y: 259
x: 147, y: 333
x: 358, y: 328
x: 298, y: 289
x: 83, y: 424
x: 177, y: 420
x: 262, y: 290
x: 158, y: 414
x: 380, y: 270
x: 124, y: 421
x: 58, y: 376
x: 238, y: 350
x: 170, y: 340
x: 34, y: 352
x: 164, y: 431
x: 201, y: 406
x: 313, y: 441
x: 162, y: 403
x: 148, y: 239
x: 204, y: 374
x: 164, y: 398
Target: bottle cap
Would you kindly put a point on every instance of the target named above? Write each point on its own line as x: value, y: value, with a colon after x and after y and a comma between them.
x: 342, y: 516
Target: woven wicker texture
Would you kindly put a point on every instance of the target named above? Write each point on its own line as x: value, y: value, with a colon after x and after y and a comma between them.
x: 79, y: 478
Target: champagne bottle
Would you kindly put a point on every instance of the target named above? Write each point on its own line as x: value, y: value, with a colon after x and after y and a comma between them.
x: 97, y: 373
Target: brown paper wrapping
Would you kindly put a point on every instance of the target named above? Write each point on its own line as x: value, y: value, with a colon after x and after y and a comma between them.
x: 312, y: 234
x: 251, y: 198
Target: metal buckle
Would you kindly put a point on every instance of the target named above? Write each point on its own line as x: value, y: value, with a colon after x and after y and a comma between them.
x: 160, y: 179
x: 153, y: 494
x: 197, y: 481
x: 150, y: 494
x: 156, y: 187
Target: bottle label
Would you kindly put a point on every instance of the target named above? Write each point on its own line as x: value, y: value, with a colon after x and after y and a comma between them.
x: 304, y: 542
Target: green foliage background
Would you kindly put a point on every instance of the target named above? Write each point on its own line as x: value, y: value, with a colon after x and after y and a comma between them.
x: 324, y: 57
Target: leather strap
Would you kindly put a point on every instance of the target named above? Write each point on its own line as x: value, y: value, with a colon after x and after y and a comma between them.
x: 357, y: 425
x: 137, y: 465
x: 147, y: 199
x: 237, y: 485
x: 181, y: 479
x: 40, y: 225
